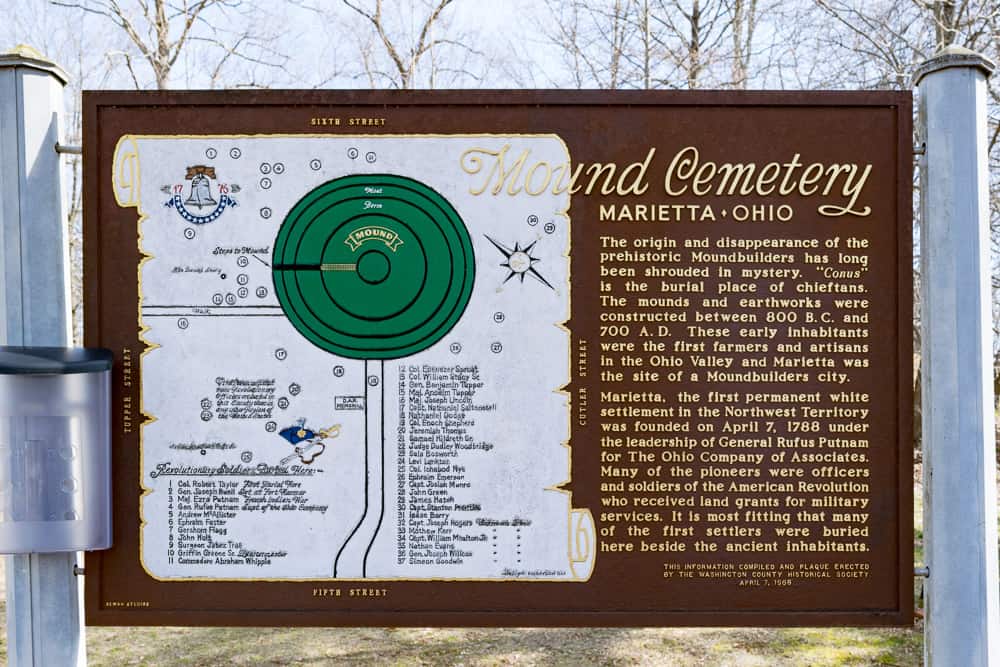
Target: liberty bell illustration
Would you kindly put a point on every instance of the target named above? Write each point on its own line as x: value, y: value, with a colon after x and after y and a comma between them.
x: 201, y: 191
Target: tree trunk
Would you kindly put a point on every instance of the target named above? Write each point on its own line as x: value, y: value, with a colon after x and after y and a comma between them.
x: 694, y: 47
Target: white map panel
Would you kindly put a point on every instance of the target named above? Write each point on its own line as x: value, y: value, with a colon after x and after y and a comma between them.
x: 267, y: 457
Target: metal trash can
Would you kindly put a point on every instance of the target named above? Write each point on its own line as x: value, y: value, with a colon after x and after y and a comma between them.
x: 55, y: 449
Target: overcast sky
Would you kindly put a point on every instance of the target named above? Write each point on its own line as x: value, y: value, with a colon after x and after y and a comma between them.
x: 316, y: 34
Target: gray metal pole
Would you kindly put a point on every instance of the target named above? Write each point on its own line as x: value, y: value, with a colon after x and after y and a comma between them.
x: 44, y: 602
x: 960, y: 513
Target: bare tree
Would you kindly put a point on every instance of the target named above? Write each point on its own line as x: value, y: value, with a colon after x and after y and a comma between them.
x: 161, y: 30
x: 880, y: 43
x: 594, y: 39
x: 877, y: 44
x: 743, y: 24
x: 663, y: 43
x: 397, y: 53
x: 692, y: 36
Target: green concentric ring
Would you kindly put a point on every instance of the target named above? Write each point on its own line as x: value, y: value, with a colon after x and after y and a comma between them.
x: 373, y: 266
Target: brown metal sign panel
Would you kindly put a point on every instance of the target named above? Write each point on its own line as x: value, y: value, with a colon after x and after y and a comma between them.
x: 503, y: 358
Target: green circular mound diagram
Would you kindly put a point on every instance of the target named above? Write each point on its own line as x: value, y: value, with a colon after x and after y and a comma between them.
x: 373, y: 266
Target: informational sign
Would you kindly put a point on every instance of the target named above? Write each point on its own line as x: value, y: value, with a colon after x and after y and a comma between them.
x: 498, y: 358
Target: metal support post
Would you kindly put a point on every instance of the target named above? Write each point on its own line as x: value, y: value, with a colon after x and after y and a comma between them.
x: 960, y: 513
x: 44, y: 602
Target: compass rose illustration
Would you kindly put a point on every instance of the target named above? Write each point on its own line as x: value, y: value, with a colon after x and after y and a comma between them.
x: 519, y: 261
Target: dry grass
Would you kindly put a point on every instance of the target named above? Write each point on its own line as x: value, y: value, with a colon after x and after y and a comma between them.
x: 569, y: 647
x: 686, y: 647
x: 211, y: 647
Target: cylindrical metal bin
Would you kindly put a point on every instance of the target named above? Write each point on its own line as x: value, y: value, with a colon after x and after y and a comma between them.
x: 55, y: 449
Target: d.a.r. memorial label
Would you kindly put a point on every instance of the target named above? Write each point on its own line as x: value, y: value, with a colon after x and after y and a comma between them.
x: 511, y: 362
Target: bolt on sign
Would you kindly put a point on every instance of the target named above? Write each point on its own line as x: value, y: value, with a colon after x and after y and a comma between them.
x: 503, y: 358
